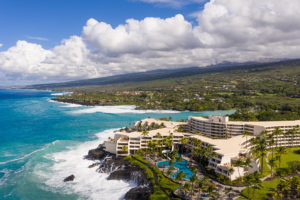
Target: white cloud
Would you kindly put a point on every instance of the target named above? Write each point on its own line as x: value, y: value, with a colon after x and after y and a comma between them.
x: 234, y: 31
x: 37, y: 38
x: 1, y: 45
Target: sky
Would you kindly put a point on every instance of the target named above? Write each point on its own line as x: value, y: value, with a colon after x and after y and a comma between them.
x: 55, y: 41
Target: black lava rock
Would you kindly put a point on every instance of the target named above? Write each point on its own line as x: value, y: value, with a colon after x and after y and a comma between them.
x: 69, y: 178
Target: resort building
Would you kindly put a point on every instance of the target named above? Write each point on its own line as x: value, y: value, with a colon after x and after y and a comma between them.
x: 223, y: 135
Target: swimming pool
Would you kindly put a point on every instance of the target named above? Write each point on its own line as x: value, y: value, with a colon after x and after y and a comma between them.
x: 181, y: 167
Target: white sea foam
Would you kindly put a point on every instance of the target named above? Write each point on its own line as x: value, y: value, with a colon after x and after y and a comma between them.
x: 88, y: 183
x: 16, y: 159
x: 118, y: 110
x: 70, y: 105
x: 61, y: 93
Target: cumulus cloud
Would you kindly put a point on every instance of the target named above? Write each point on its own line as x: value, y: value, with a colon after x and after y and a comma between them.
x: 1, y: 45
x: 227, y: 30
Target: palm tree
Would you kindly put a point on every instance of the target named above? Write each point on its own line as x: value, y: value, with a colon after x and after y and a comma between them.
x: 180, y: 176
x: 277, y: 132
x: 246, y: 134
x: 183, y: 141
x: 169, y: 173
x: 199, y: 152
x: 231, y: 171
x: 272, y: 163
x: 171, y: 163
x: 248, y: 180
x: 256, y: 182
x: 158, y: 135
x: 279, y: 152
x: 210, y: 190
x: 193, y: 179
x: 194, y: 170
x: 271, y: 142
x: 186, y: 187
x: 178, y: 159
x: 145, y: 133
x: 124, y: 148
x: 239, y: 163
x: 200, y: 186
x: 293, y: 133
x: 247, y: 163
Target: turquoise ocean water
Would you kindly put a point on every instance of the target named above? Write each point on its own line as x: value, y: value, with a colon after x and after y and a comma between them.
x: 42, y: 142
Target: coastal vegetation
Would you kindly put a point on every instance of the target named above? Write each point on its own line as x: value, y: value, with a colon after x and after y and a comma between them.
x: 266, y: 92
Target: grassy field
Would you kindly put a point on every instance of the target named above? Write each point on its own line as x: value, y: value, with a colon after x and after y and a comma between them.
x: 269, y: 186
x: 261, y: 194
x: 290, y: 156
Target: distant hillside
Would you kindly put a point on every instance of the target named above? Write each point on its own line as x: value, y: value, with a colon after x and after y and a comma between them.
x: 160, y: 74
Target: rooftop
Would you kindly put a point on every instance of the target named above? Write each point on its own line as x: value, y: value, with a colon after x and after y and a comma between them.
x: 261, y: 123
x: 224, y: 146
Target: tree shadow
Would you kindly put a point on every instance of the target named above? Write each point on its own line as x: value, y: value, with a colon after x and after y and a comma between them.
x: 296, y: 152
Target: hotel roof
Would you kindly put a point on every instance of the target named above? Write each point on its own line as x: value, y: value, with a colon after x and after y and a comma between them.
x: 224, y: 146
x: 260, y: 123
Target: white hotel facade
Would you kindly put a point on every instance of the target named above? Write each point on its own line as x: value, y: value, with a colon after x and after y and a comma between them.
x: 228, y: 150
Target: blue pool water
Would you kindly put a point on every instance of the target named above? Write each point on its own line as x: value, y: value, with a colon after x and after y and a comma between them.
x: 181, y: 167
x: 42, y: 142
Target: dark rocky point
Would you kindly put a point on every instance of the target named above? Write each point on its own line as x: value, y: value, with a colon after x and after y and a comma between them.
x: 97, y: 154
x: 69, y: 178
x: 139, y: 193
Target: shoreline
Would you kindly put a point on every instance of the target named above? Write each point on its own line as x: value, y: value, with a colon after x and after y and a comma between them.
x: 71, y: 101
x: 79, y: 103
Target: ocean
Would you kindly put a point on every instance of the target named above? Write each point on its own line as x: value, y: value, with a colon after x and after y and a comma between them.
x: 42, y: 142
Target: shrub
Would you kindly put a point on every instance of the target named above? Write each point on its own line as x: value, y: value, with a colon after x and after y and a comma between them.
x: 158, y: 195
x: 139, y: 158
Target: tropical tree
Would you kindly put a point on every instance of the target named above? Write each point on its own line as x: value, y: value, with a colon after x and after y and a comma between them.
x: 171, y: 163
x: 183, y: 141
x: 178, y: 159
x: 271, y: 142
x: 193, y: 179
x: 279, y: 152
x: 124, y: 148
x: 239, y: 163
x: 145, y: 133
x: 276, y: 133
x: 247, y: 163
x: 180, y: 176
x: 194, y: 170
x: 256, y: 182
x: 169, y: 173
x: 272, y: 163
x: 246, y: 134
x: 186, y: 187
x: 231, y: 171
x: 200, y: 186
x: 210, y: 191
x: 248, y: 180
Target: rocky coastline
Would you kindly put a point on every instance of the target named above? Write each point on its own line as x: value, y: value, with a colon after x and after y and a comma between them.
x: 83, y: 103
x: 121, y: 169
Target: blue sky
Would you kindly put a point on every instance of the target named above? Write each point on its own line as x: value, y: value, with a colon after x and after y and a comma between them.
x: 55, y: 20
x: 46, y: 41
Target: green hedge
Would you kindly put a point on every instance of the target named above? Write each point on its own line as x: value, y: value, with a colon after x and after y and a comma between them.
x: 158, y: 195
x: 139, y: 158
x: 147, y: 171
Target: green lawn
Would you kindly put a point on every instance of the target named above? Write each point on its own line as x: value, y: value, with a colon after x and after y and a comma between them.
x: 266, y: 169
x: 261, y: 194
x: 290, y: 156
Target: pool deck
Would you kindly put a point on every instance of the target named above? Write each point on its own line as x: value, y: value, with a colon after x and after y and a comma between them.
x: 191, y: 163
